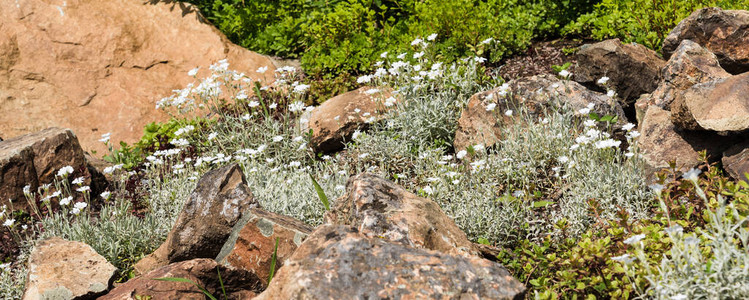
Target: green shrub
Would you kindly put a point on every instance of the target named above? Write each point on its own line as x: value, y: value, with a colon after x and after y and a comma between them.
x: 646, y: 22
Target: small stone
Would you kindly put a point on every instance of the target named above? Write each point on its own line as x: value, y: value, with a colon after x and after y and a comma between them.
x: 61, y: 269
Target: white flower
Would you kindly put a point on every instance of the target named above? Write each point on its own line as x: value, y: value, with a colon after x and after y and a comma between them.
x: 625, y: 259
x: 603, y: 80
x: 692, y: 174
x: 364, y: 79
x: 564, y: 73
x: 607, y: 143
x: 273, y: 105
x: 79, y: 180
x: 401, y: 56
x: 491, y: 106
x: 27, y: 190
x: 589, y: 123
x: 193, y: 72
x: 212, y: 136
x: 83, y: 189
x: 295, y: 164
x: 105, y: 137
x: 384, y: 54
x: 633, y: 134
x: 431, y: 37
x: 105, y: 195
x: 679, y: 297
x: 356, y: 134
x: 487, y: 41
x: 628, y: 126
x: 611, y: 93
x: 461, y: 154
x: 674, y: 229
x: 180, y: 142
x: 584, y: 111
x: 9, y: 222
x: 657, y: 188
x: 508, y: 113
x: 629, y: 154
x: 418, y: 55
x: 416, y: 42
x: 428, y: 190
x: 65, y: 201
x: 297, y: 106
x: 277, y: 138
x: 254, y: 103
x: 64, y: 171
x: 518, y: 193
x: 371, y: 91
x: 390, y: 101
x: 184, y: 130
x: 563, y: 159
x: 574, y: 147
x: 301, y: 88
x: 262, y: 70
x: 634, y: 239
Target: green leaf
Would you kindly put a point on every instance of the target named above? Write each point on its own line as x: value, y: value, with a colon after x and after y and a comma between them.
x: 320, y: 193
x: 543, y: 203
x: 273, y: 261
x: 484, y: 241
x: 185, y: 280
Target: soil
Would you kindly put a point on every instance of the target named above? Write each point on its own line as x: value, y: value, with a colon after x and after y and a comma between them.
x: 538, y: 59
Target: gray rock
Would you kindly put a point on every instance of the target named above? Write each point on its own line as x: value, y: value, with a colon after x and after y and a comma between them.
x: 736, y: 160
x: 721, y: 105
x: 339, y: 262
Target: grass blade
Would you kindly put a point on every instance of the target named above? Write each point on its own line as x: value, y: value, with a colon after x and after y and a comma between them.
x: 273, y: 262
x: 320, y: 193
x: 176, y: 279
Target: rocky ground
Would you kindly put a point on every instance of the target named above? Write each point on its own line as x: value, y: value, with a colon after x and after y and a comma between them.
x: 378, y: 240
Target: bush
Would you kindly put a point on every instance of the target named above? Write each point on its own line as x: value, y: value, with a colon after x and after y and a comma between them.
x: 645, y: 22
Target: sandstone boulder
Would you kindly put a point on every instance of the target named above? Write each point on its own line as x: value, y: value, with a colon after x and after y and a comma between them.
x: 336, y: 120
x: 34, y: 159
x: 721, y: 31
x: 736, y: 161
x: 100, y: 66
x: 238, y: 284
x: 690, y: 64
x: 482, y: 120
x: 60, y: 269
x: 252, y: 242
x: 381, y: 209
x: 662, y: 142
x: 721, y: 105
x: 632, y: 69
x: 339, y: 262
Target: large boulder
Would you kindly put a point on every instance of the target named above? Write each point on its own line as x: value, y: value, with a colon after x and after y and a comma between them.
x: 60, y: 269
x: 632, y: 69
x: 481, y: 122
x: 662, y: 142
x: 237, y: 284
x: 218, y: 202
x: 100, y: 66
x: 381, y: 209
x: 721, y: 105
x: 335, y: 120
x: 34, y: 159
x: 252, y: 242
x: 690, y: 64
x: 721, y: 31
x: 339, y: 262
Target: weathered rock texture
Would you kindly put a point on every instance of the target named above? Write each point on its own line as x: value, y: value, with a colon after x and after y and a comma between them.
x: 382, y: 209
x: 336, y: 120
x: 250, y: 245
x: 724, y: 32
x: 690, y: 64
x: 238, y: 284
x: 662, y: 142
x: 633, y: 69
x: 337, y: 261
x: 34, y: 159
x: 214, y: 207
x: 736, y: 160
x: 100, y: 66
x: 719, y: 105
x: 60, y: 269
x: 205, y: 222
x: 533, y: 95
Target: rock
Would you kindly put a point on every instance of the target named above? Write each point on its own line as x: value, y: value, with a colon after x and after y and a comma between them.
x: 632, y: 69
x: 736, y: 161
x: 35, y: 159
x: 100, y: 66
x: 60, y: 269
x: 382, y: 209
x: 335, y: 120
x: 153, y: 261
x: 478, y: 125
x: 720, y: 105
x: 204, y: 272
x: 721, y: 31
x: 337, y: 260
x: 662, y: 142
x: 690, y: 64
x: 253, y: 239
